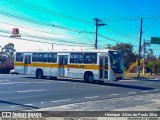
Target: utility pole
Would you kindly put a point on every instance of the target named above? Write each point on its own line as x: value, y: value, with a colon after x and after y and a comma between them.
x: 52, y: 46
x: 139, y: 51
x: 144, y: 45
x: 97, y: 26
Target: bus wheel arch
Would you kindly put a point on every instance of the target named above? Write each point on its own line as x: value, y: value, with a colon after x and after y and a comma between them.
x: 39, y: 73
x: 88, y: 76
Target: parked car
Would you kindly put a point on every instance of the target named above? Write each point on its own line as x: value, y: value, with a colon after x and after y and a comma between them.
x: 13, y: 72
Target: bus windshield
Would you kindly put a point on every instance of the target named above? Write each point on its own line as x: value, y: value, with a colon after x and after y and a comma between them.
x: 116, y: 61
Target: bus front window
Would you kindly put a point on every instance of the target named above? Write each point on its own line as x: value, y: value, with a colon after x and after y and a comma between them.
x: 116, y: 61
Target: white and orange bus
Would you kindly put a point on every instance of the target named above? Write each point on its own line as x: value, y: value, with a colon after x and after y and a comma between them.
x: 90, y: 65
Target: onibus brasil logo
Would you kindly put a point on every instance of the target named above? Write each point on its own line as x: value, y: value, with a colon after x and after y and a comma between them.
x: 21, y: 115
x: 15, y: 33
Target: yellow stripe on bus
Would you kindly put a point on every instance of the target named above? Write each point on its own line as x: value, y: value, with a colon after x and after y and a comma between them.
x: 80, y: 66
x: 19, y: 64
x: 76, y: 66
x: 37, y: 64
x: 44, y: 65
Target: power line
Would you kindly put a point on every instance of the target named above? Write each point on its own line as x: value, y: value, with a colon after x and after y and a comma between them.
x: 37, y: 30
x: 46, y: 24
x: 121, y: 33
x: 151, y: 24
x: 41, y: 41
x: 87, y: 37
x: 24, y: 19
x: 39, y: 23
x: 109, y: 38
x: 47, y: 11
x: 130, y: 18
x: 114, y: 40
x: 68, y: 37
x: 46, y: 38
x: 49, y: 37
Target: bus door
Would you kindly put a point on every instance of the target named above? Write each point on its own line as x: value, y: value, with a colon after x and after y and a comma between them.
x: 27, y: 64
x: 63, y: 61
x: 103, y: 63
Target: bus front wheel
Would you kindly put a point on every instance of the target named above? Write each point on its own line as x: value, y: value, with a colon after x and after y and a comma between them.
x: 89, y: 78
x: 39, y: 74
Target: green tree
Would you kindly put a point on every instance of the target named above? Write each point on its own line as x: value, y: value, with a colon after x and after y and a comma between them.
x: 150, y: 55
x: 8, y: 50
x: 129, y: 55
x: 133, y: 66
x: 154, y: 65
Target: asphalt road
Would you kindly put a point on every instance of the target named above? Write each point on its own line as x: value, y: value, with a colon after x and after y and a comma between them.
x: 21, y: 92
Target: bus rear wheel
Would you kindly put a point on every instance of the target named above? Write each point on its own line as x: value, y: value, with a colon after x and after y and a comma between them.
x: 89, y: 78
x: 39, y: 74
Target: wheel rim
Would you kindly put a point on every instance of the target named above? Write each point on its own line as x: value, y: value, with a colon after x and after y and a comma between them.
x: 90, y: 78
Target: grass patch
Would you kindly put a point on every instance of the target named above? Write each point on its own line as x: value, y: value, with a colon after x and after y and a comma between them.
x: 134, y: 75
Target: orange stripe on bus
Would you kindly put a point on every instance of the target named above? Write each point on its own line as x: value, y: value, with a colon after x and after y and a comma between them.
x: 80, y: 66
x: 19, y: 64
x: 76, y: 66
x: 44, y: 65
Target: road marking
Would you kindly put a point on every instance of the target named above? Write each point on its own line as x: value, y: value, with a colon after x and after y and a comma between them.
x: 116, y: 98
x: 146, y: 91
x: 61, y: 100
x: 156, y: 90
x: 91, y: 97
x: 113, y: 94
x: 17, y: 83
x: 6, y: 80
x: 16, y: 106
x: 8, y: 83
x: 32, y: 90
x: 131, y: 92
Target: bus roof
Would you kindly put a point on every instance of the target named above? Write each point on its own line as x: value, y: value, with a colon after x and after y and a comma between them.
x: 67, y: 51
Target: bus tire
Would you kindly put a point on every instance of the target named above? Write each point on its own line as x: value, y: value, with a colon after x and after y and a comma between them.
x: 39, y: 74
x: 88, y: 78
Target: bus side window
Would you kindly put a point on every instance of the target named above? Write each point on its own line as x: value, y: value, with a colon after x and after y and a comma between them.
x: 40, y: 57
x: 65, y: 60
x: 106, y: 63
x: 90, y: 58
x: 34, y: 57
x: 76, y: 58
x: 19, y: 57
x: 45, y: 59
x: 52, y: 57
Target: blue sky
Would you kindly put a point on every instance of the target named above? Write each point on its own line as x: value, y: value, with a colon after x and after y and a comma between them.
x: 121, y: 16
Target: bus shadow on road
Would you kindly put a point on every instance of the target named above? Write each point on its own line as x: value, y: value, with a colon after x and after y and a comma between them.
x: 110, y: 84
x: 148, y: 80
x: 113, y: 84
x: 18, y: 105
x: 128, y: 86
x: 144, y: 79
x: 58, y: 79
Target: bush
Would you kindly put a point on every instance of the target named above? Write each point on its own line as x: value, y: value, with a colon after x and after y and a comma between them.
x: 133, y: 66
x: 6, y: 67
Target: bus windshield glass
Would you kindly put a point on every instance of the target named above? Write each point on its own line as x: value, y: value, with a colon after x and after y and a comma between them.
x: 116, y: 61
